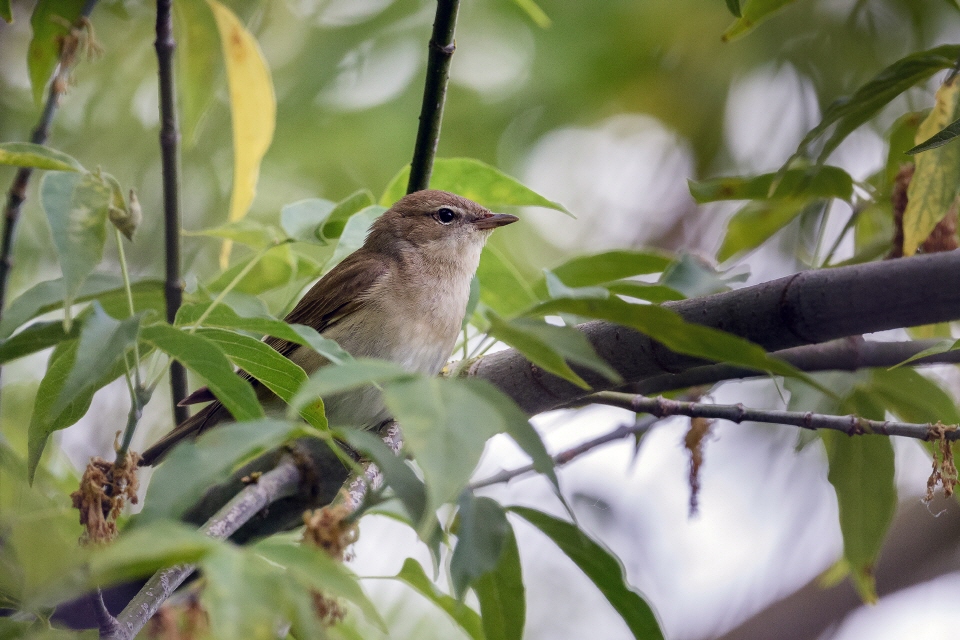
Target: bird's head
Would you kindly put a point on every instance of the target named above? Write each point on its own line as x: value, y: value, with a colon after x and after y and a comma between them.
x: 442, y: 224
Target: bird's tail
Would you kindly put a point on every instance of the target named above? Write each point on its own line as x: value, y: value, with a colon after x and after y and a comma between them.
x: 189, y: 428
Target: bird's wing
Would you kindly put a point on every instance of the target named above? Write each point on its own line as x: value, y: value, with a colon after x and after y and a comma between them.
x: 344, y: 290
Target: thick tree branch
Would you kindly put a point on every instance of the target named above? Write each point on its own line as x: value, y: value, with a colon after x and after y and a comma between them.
x: 278, y: 483
x: 805, y: 308
x: 847, y: 354
x: 442, y: 46
x: 851, y: 425
x: 170, y: 156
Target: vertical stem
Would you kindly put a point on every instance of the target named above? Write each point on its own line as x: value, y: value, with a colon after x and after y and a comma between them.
x: 442, y: 46
x: 169, y: 143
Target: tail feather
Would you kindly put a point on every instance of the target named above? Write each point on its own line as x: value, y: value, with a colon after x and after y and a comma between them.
x: 189, y: 428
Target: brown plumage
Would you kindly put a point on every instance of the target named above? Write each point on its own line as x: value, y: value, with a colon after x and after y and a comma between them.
x: 400, y: 297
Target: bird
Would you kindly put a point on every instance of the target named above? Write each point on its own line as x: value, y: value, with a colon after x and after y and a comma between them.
x: 401, y: 297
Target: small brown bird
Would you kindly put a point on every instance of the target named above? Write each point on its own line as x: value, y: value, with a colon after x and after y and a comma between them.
x: 400, y: 297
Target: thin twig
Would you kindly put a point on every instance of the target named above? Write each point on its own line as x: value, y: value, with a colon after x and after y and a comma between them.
x: 442, y: 46
x: 169, y: 151
x: 280, y: 482
x: 851, y: 425
x: 638, y: 428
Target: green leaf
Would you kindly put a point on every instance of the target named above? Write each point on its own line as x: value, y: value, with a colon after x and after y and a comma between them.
x: 912, y: 397
x: 249, y: 232
x: 446, y: 424
x: 849, y: 113
x: 502, y: 595
x: 396, y: 473
x: 102, y: 345
x: 314, y: 569
x: 936, y: 179
x: 734, y: 7
x: 813, y: 182
x: 755, y: 12
x: 468, y: 620
x: 674, y: 332
x: 206, y: 359
x: 51, y: 21
x: 5, y: 11
x: 550, y: 347
x: 333, y: 227
x: 108, y: 289
x: 939, y: 139
x: 603, y: 569
x: 36, y: 337
x: 475, y: 180
x: 278, y: 374
x: 480, y: 539
x: 556, y: 289
x: 333, y: 379
x: 756, y: 222
x: 861, y: 472
x: 693, y: 276
x: 502, y: 287
x: 224, y: 317
x: 534, y: 12
x: 195, y: 465
x: 27, y: 154
x: 302, y: 220
x: 354, y: 233
x: 598, y: 268
x: 642, y: 291
x: 44, y: 421
x: 144, y: 550
x: 198, y: 62
x: 76, y: 205
x: 518, y: 427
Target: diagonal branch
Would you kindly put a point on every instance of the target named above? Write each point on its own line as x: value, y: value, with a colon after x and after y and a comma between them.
x: 282, y: 481
x: 851, y: 425
x: 442, y: 46
x: 169, y: 151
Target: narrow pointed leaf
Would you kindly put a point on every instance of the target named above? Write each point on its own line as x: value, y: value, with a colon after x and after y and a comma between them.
x: 939, y: 139
x: 278, y: 374
x: 468, y: 620
x: 814, y: 182
x: 481, y: 535
x: 603, y: 569
x: 752, y: 14
x: 253, y: 108
x: 198, y: 64
x: 36, y: 337
x: 502, y: 596
x: 474, y: 180
x: 302, y: 220
x: 756, y: 223
x: 333, y: 227
x: 206, y: 359
x: 26, y: 154
x: 350, y: 375
x: 595, y: 269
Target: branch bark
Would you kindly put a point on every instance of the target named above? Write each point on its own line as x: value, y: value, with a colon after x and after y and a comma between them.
x: 282, y: 481
x: 442, y: 46
x: 170, y: 162
x: 806, y: 308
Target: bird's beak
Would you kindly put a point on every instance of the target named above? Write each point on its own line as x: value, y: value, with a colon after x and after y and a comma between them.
x: 494, y: 220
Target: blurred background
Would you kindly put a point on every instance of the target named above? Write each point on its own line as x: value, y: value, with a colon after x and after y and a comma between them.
x: 609, y: 110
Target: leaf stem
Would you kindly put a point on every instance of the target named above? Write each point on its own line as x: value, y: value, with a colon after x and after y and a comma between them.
x: 441, y: 49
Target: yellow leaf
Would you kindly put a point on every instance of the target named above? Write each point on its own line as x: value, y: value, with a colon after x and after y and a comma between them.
x: 253, y: 109
x: 936, y: 180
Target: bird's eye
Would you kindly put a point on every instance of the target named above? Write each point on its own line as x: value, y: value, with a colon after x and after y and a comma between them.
x: 445, y: 215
